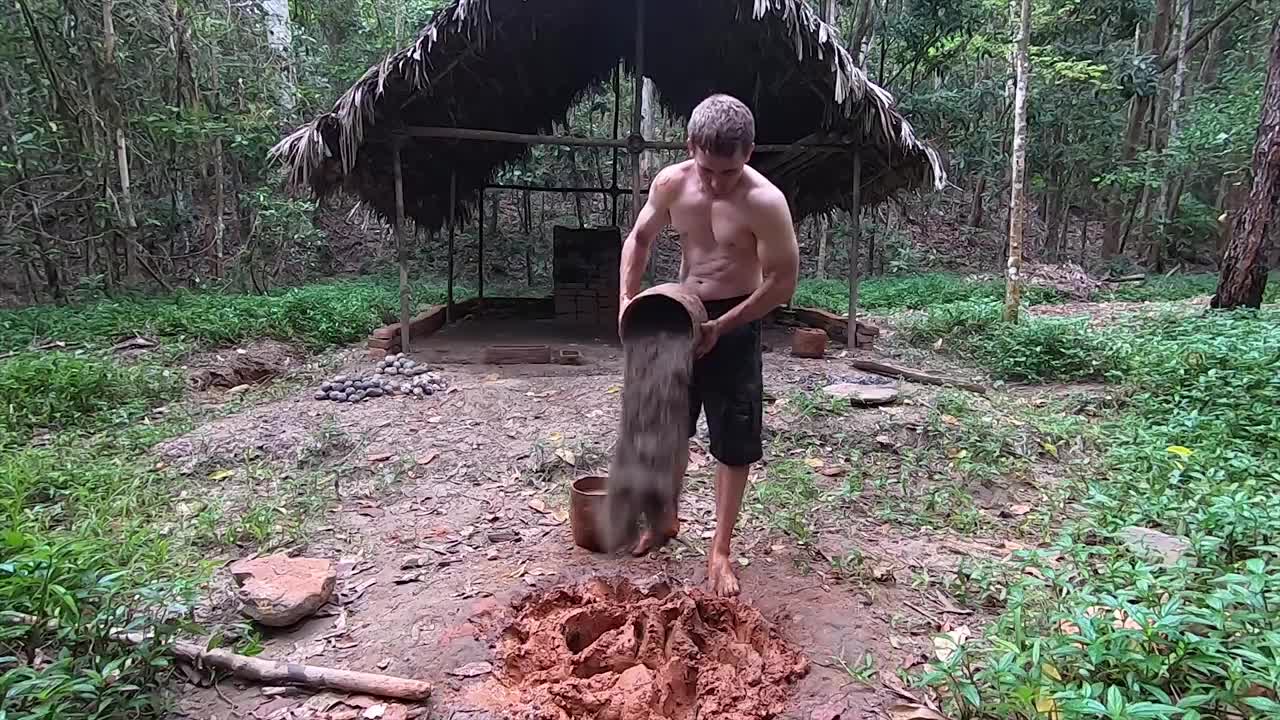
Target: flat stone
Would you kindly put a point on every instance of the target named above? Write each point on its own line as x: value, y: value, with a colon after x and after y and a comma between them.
x: 279, y: 591
x: 867, y: 395
x: 1145, y: 541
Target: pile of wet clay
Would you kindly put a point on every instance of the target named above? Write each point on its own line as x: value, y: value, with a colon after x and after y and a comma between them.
x: 606, y: 648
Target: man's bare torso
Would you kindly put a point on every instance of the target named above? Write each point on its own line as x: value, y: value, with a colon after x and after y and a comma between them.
x: 718, y: 246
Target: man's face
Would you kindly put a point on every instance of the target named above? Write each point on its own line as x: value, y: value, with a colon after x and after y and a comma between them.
x: 719, y: 175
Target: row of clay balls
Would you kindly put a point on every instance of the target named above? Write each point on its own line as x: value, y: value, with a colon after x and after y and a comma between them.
x: 397, y: 375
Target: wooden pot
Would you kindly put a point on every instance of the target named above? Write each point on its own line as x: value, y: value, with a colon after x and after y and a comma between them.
x: 586, y: 506
x: 669, y: 305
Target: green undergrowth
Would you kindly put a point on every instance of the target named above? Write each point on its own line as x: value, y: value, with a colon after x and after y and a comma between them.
x: 88, y: 548
x: 910, y: 292
x: 1177, y: 287
x: 1034, y: 349
x: 98, y: 535
x: 1093, y: 628
x: 61, y: 389
x: 314, y: 316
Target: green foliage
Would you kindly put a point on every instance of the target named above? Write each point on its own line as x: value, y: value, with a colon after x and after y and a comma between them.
x: 86, y: 551
x: 1091, y: 629
x: 1178, y: 287
x: 58, y: 389
x: 1034, y: 349
x: 313, y: 315
x: 909, y: 292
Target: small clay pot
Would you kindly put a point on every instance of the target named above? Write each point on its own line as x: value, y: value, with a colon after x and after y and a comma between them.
x: 586, y: 504
x: 809, y: 343
x: 669, y: 305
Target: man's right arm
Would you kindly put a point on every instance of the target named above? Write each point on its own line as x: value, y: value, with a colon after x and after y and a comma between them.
x: 653, y: 217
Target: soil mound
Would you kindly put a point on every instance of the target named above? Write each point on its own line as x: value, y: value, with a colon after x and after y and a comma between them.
x: 606, y: 648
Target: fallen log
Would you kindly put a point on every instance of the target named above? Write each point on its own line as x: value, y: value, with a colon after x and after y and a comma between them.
x: 894, y: 371
x: 836, y: 326
x: 273, y: 672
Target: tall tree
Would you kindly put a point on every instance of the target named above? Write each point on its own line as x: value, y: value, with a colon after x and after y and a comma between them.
x: 1139, y: 111
x: 1244, y: 267
x: 1171, y: 188
x: 1018, y: 174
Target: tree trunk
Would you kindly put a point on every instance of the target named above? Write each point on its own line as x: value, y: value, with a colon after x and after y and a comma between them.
x: 975, y: 208
x: 648, y: 127
x: 280, y: 39
x: 1213, y: 52
x: 1172, y: 185
x: 1018, y: 180
x: 860, y: 32
x: 116, y: 125
x: 1141, y: 107
x: 1244, y: 267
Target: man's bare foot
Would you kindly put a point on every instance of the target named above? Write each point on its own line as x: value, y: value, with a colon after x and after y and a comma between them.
x: 720, y: 575
x: 652, y: 539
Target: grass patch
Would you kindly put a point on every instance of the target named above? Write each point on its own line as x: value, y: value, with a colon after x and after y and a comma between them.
x: 1163, y: 288
x: 912, y: 292
x: 1036, y: 349
x: 315, y: 316
x: 1090, y: 628
x: 61, y: 390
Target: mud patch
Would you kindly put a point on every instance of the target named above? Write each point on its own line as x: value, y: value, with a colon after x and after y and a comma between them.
x: 247, y: 365
x: 607, y: 648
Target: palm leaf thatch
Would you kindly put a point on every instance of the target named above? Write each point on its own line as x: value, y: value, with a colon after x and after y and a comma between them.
x: 519, y: 65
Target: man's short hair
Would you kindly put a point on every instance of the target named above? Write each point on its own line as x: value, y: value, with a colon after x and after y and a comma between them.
x: 722, y: 126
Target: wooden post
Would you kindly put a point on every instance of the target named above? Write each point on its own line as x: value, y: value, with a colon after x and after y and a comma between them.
x: 480, y: 260
x: 453, y: 201
x: 402, y: 251
x: 855, y: 233
x: 617, y: 107
x: 637, y: 99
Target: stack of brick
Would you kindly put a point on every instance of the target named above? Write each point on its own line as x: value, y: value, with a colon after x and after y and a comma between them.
x: 585, y: 274
x: 386, y: 339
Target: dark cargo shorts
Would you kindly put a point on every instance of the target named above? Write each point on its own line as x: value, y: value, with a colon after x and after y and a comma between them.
x: 728, y: 383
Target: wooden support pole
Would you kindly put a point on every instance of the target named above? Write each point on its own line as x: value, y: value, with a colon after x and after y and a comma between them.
x: 402, y: 250
x: 480, y: 250
x: 455, y: 133
x: 855, y: 237
x: 617, y: 109
x: 453, y: 204
x: 637, y: 99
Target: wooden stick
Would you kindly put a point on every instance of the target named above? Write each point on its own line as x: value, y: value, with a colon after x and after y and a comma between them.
x: 273, y: 672
x: 915, y: 375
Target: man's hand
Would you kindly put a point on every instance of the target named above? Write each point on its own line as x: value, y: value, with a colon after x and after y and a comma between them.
x: 623, y: 301
x: 710, y: 335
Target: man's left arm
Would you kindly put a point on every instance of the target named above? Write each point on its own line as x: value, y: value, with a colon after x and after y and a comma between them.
x: 779, y: 256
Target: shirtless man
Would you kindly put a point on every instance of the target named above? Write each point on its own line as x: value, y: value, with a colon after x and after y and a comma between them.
x: 739, y: 255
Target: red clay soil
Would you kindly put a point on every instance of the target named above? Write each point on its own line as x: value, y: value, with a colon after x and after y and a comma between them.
x: 607, y: 649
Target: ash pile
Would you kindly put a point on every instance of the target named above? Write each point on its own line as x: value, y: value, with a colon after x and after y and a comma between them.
x: 396, y: 375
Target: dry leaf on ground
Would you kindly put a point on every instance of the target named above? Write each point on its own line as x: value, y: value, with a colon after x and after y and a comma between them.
x: 470, y: 670
x: 907, y: 711
x: 948, y: 643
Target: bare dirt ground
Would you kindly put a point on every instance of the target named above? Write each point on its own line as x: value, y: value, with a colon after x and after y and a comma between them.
x: 444, y: 513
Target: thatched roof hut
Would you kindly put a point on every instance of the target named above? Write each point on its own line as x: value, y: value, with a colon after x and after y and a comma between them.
x: 518, y: 66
